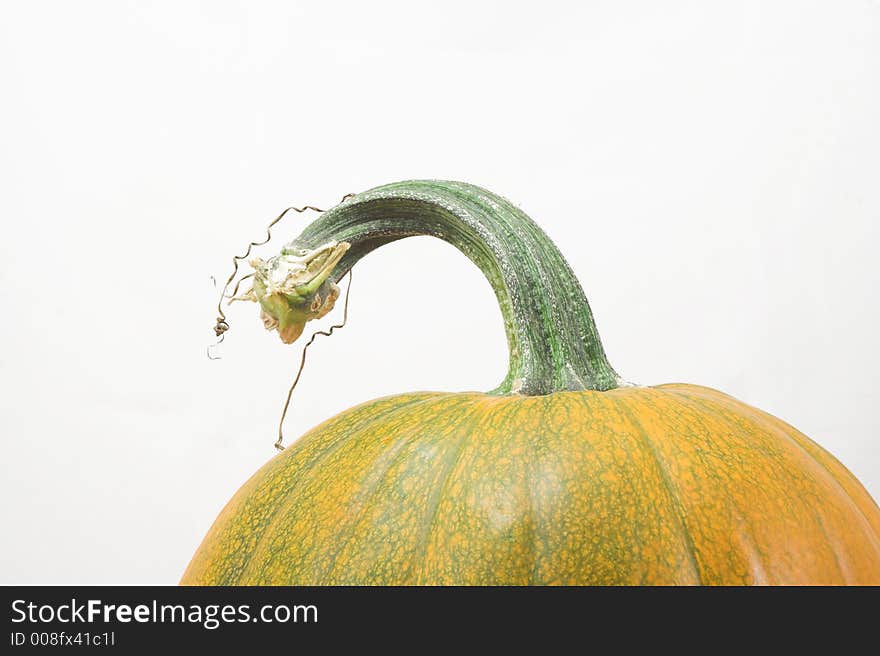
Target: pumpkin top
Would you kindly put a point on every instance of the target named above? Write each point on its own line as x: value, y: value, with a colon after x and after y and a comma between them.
x: 551, y: 335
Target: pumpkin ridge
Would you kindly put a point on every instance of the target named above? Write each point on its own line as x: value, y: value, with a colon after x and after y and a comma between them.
x: 371, y: 436
x: 509, y: 430
x: 441, y: 485
x: 795, y: 435
x: 396, y: 450
x: 281, y: 502
x: 674, y: 500
x: 534, y: 518
x: 845, y: 574
x: 823, y: 476
x: 753, y: 554
x: 413, y: 435
x: 777, y: 427
x: 745, y: 539
x: 749, y: 547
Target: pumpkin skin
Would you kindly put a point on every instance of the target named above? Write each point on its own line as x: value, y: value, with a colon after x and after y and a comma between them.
x: 676, y: 484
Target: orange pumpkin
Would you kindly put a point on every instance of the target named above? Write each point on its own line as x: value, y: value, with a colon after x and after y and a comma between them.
x: 564, y: 474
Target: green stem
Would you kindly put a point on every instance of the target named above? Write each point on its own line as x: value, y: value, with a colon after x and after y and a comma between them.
x: 551, y: 334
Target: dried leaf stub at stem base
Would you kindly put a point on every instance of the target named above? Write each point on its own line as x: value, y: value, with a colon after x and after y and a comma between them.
x: 294, y: 287
x: 221, y: 325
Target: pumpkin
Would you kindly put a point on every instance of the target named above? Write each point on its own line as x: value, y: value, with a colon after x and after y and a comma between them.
x: 564, y: 474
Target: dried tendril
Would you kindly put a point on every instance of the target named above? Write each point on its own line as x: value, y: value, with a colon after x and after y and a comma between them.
x: 221, y: 325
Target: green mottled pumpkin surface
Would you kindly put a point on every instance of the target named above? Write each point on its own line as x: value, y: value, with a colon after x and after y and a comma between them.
x: 670, y: 485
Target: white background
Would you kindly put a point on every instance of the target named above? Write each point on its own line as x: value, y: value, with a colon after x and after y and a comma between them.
x: 710, y: 169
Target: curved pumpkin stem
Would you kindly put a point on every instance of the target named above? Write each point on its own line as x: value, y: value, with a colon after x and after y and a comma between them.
x: 551, y: 334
